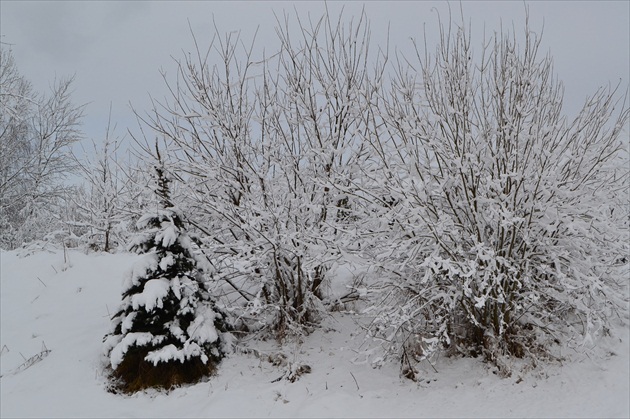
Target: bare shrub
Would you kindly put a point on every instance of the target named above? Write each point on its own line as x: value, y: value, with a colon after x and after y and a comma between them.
x: 508, y: 223
x: 261, y: 146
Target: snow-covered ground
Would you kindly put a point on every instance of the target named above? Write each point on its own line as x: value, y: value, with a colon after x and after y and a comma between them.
x: 55, y: 311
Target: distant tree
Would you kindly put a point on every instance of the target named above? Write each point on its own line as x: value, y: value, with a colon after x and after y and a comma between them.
x: 36, y: 136
x: 99, y: 202
x: 168, y: 330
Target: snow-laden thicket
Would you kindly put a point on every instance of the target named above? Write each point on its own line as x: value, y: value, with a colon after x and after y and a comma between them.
x: 509, y: 221
x: 263, y: 152
x: 488, y: 221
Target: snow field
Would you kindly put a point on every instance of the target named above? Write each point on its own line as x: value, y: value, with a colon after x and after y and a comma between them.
x: 48, y: 304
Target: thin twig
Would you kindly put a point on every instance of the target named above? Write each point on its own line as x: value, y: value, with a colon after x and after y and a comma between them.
x: 355, y: 380
x: 427, y: 359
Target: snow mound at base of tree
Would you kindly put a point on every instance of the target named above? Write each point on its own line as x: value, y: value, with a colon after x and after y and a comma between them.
x: 55, y: 310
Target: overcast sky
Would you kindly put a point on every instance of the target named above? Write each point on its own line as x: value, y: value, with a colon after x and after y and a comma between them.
x: 115, y: 50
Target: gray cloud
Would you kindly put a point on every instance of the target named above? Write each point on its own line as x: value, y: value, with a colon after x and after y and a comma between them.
x: 116, y: 49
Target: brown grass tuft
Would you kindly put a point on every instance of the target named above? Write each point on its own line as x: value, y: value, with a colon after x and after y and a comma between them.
x: 135, y: 374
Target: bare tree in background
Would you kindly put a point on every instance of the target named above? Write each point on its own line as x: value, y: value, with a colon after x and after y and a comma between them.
x: 36, y: 136
x: 99, y: 203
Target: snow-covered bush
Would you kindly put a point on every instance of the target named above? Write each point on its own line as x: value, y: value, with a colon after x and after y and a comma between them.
x: 263, y: 150
x: 505, y: 227
x: 168, y: 330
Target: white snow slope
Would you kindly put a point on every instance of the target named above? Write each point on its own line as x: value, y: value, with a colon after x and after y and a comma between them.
x: 54, y: 314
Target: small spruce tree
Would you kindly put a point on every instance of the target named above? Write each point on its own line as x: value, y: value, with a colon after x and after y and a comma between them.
x: 168, y: 330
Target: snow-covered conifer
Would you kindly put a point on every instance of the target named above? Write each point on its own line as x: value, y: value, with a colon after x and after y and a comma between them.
x: 168, y: 330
